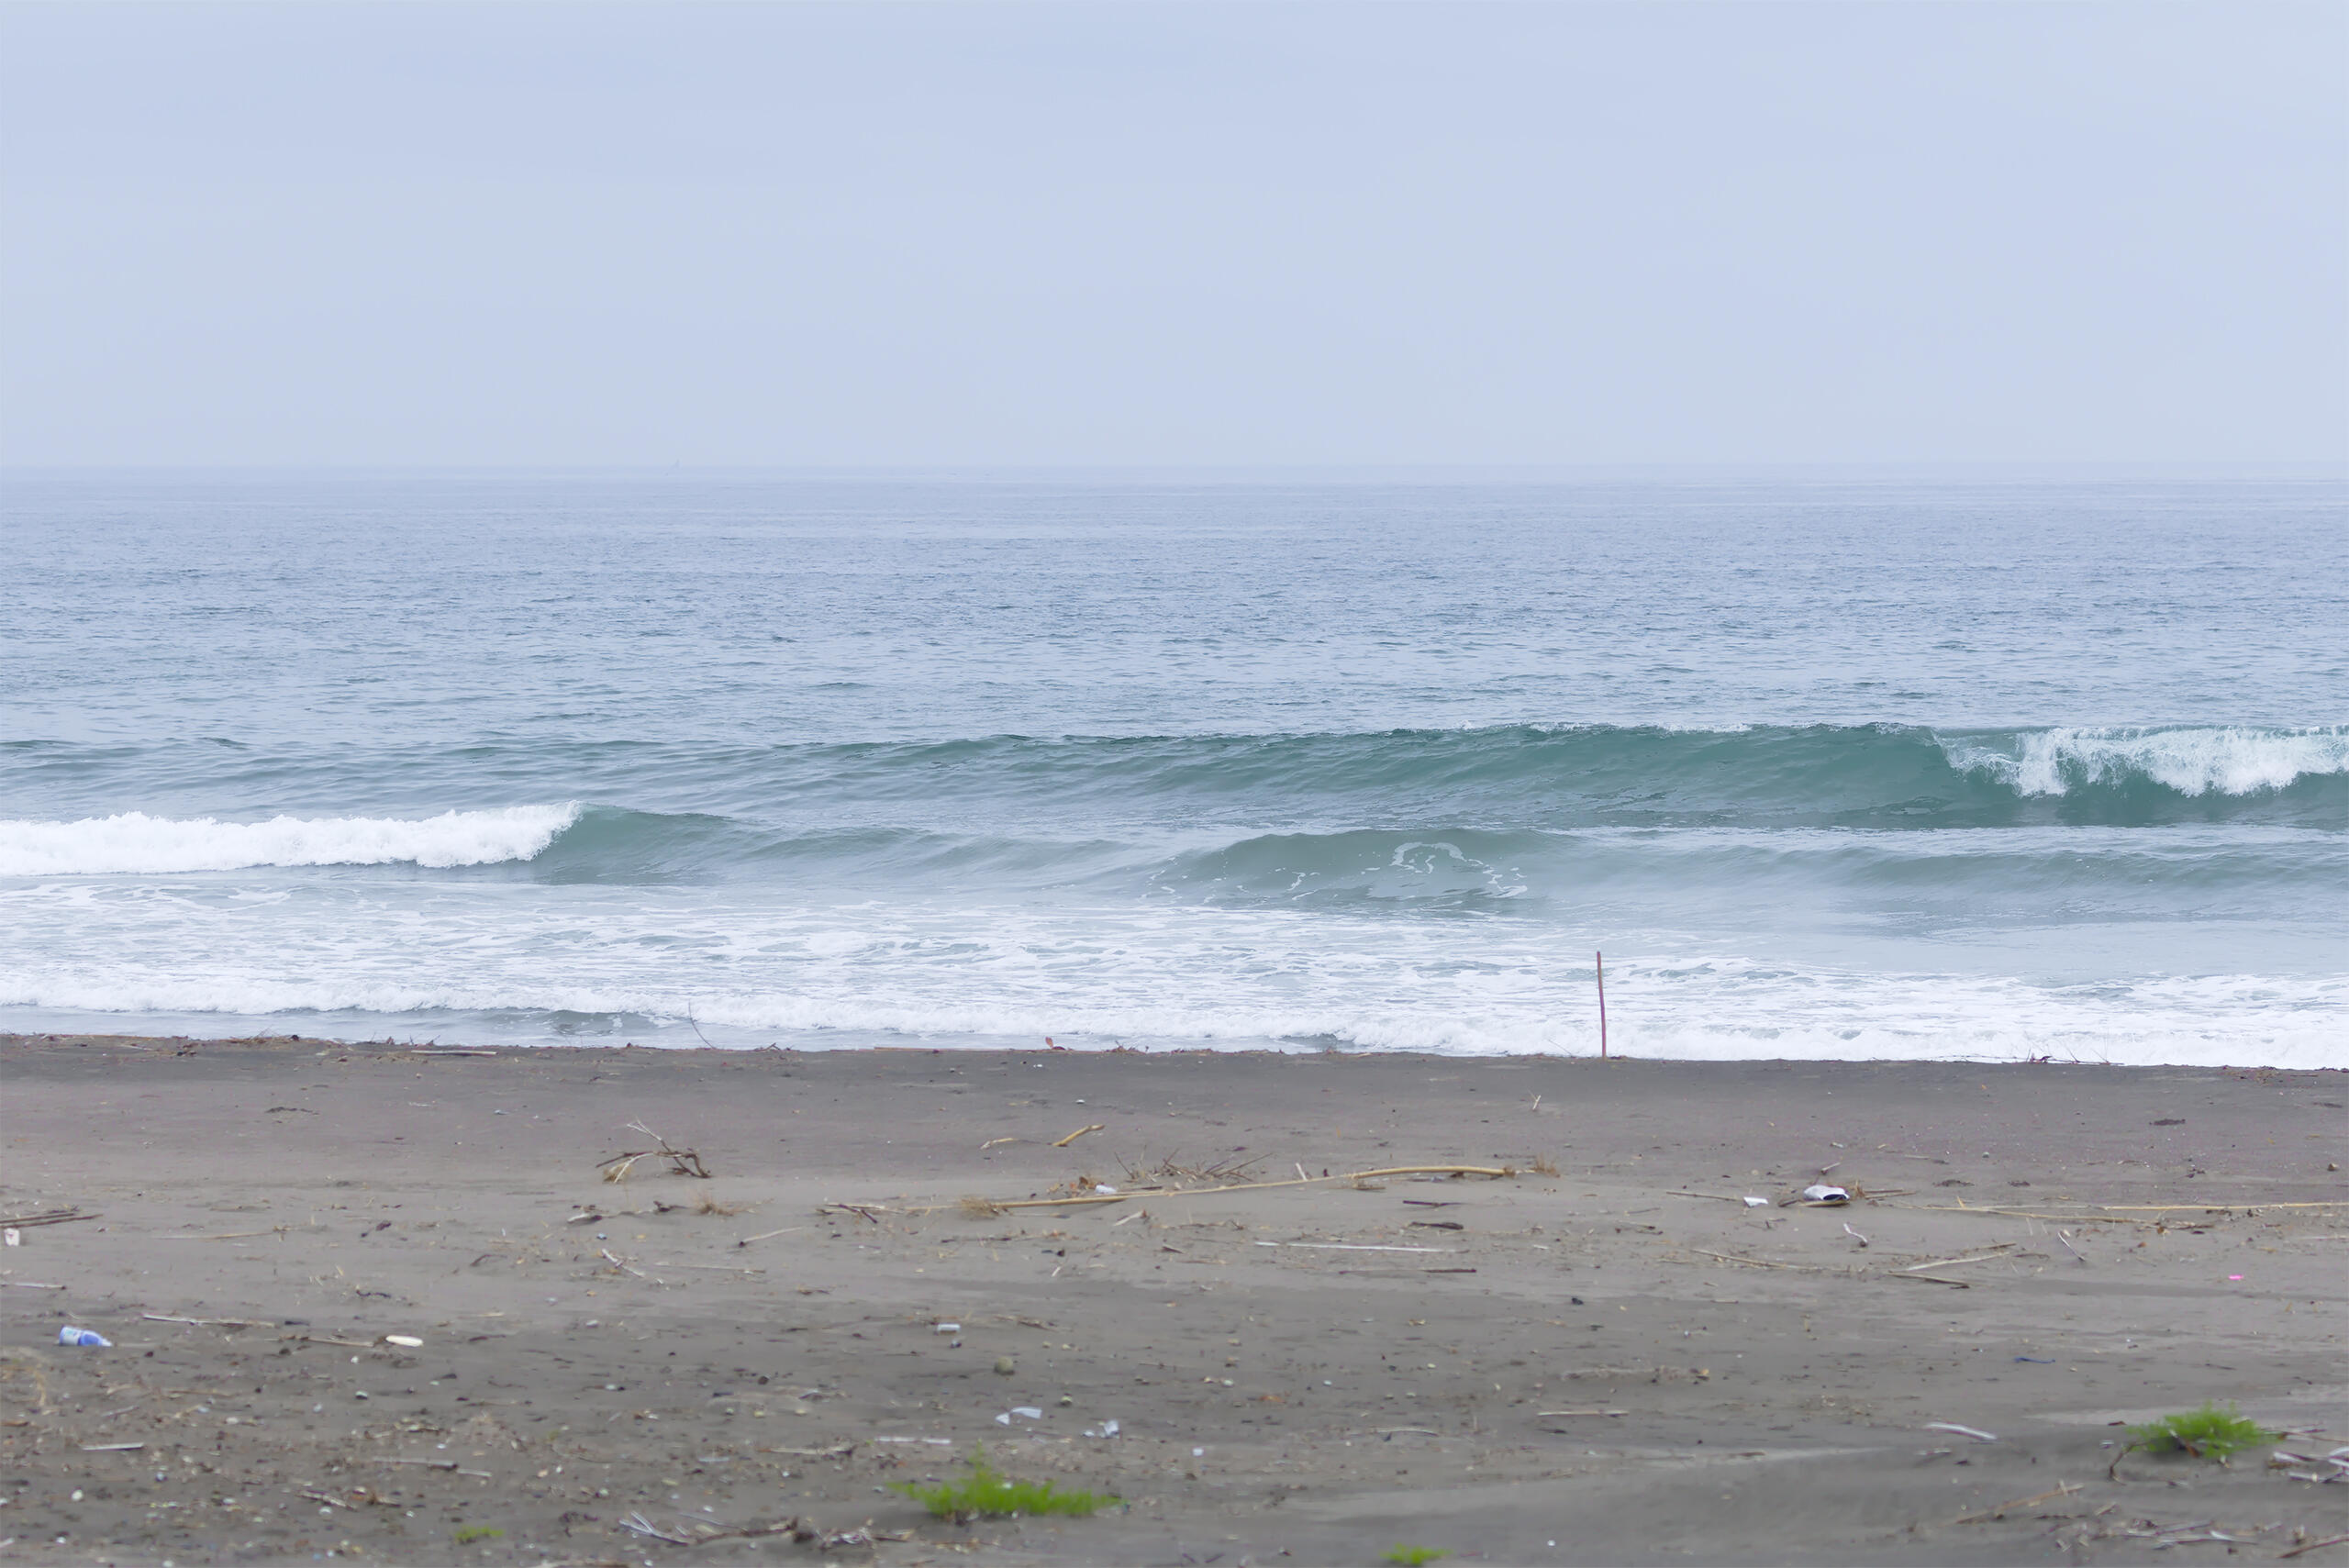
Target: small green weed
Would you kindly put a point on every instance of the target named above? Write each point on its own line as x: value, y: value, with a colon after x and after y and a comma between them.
x: 1414, y: 1556
x: 2211, y: 1432
x: 472, y: 1533
x: 986, y: 1493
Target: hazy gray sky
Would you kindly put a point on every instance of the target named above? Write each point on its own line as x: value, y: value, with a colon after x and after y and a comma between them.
x: 1113, y: 233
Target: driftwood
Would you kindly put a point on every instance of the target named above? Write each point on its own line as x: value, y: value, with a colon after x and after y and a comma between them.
x: 980, y: 1207
x: 682, y: 1161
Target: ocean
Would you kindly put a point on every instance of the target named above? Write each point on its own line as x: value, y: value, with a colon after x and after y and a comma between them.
x: 1829, y: 765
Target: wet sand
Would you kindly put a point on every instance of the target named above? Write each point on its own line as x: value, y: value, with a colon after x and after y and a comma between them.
x: 1620, y: 1363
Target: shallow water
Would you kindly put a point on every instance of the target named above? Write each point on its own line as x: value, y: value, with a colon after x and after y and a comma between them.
x: 1829, y: 767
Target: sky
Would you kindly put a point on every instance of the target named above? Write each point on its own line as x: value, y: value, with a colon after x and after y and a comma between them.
x: 1197, y: 233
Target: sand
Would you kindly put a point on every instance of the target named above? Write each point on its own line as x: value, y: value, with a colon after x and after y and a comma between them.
x: 1619, y: 1362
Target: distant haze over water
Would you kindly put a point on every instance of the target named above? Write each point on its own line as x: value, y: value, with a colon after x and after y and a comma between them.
x: 1836, y: 765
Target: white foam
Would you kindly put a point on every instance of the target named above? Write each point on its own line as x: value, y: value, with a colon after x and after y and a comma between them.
x: 2231, y: 761
x: 133, y: 842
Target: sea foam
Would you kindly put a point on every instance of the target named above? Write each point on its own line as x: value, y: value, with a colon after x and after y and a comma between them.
x: 132, y: 841
x: 2231, y: 761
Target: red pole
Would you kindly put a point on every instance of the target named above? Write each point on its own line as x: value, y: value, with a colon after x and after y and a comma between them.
x: 1598, y: 960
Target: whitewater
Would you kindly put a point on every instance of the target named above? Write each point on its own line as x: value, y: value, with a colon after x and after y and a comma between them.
x: 1831, y: 766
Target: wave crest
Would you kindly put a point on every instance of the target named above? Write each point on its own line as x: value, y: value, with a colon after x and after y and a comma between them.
x: 132, y: 841
x: 2234, y: 761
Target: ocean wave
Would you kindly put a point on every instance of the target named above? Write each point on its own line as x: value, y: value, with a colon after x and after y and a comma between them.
x: 2232, y: 761
x: 134, y: 842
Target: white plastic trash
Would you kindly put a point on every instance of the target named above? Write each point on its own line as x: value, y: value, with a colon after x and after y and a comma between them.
x: 1752, y: 1201
x: 88, y: 1339
x: 1820, y: 1191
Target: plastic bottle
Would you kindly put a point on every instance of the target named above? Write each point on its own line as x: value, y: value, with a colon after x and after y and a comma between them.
x: 88, y: 1339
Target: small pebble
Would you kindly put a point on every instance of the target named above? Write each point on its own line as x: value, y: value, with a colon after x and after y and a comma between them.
x: 1005, y: 1366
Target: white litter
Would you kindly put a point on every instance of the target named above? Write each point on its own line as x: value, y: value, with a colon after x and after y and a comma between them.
x: 405, y: 1341
x: 1752, y: 1201
x: 1030, y: 1411
x: 946, y: 1327
x: 1961, y: 1431
x: 1820, y: 1191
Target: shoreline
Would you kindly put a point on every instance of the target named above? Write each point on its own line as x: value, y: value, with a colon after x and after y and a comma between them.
x: 1622, y: 1357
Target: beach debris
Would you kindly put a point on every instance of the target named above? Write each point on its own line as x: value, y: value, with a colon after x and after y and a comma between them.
x: 2338, y: 1460
x: 10, y: 1238
x: 1980, y: 1436
x: 682, y: 1161
x: 1853, y: 1234
x: 1105, y: 1429
x: 1030, y: 1411
x: 1749, y: 1201
x: 1820, y: 1193
x: 2003, y: 1509
x: 2312, y: 1546
x: 1093, y: 1192
x: 86, y: 1338
x: 51, y: 1217
x: 1065, y: 1142
x: 946, y: 1327
x: 1005, y: 1366
x: 1355, y: 1247
x: 405, y: 1341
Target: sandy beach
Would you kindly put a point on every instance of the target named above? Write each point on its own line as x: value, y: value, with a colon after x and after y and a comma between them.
x: 370, y: 1301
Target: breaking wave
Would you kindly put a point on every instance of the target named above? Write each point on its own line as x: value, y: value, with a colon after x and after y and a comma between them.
x: 134, y: 842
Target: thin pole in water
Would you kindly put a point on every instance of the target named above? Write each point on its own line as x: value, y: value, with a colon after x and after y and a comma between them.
x: 1598, y: 963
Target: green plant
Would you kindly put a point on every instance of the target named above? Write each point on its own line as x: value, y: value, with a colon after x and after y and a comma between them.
x: 986, y: 1493
x: 472, y: 1533
x: 2210, y: 1432
x: 1414, y: 1556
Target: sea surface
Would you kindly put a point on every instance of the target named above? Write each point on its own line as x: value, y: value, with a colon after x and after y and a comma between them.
x: 1848, y: 765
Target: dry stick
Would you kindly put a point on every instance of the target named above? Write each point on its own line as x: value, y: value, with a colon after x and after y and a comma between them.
x: 1972, y: 1258
x: 226, y: 1235
x: 1558, y: 1415
x: 1765, y: 1262
x: 1497, y: 1173
x: 769, y: 1235
x: 53, y: 1217
x: 1065, y: 1142
x: 448, y: 1464
x: 209, y: 1322
x: 623, y: 1267
x: 2312, y: 1546
x: 2066, y: 1490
